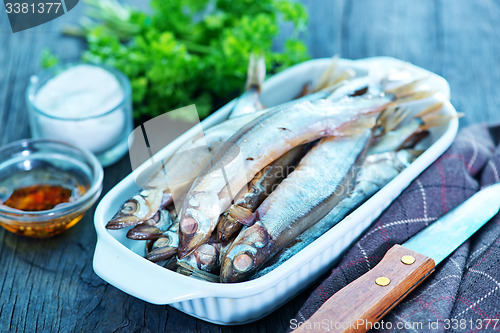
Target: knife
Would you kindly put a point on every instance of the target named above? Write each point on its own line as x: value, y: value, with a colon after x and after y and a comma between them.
x: 366, y: 300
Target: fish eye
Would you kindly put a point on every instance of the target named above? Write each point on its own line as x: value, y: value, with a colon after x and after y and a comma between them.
x: 164, y: 241
x: 130, y: 207
x: 168, y: 240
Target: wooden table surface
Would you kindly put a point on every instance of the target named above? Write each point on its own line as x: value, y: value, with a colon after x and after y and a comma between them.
x: 49, y: 285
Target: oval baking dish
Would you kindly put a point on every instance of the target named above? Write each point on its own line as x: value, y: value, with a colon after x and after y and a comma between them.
x: 120, y: 262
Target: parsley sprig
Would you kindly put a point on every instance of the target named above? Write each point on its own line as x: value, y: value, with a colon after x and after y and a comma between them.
x: 189, y: 51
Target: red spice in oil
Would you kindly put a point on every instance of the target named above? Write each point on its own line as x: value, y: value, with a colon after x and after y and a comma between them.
x: 38, y: 197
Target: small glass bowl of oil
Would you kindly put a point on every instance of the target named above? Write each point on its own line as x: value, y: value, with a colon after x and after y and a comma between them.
x: 46, y: 186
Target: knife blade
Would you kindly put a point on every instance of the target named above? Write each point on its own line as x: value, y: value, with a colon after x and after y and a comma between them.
x: 366, y: 300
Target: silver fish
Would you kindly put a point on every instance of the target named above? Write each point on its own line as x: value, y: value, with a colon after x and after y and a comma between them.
x: 139, y: 208
x: 376, y: 171
x: 322, y: 179
x: 241, y: 212
x: 205, y: 258
x: 171, y: 182
x: 249, y: 102
x: 257, y: 144
x: 153, y: 230
x: 166, y: 245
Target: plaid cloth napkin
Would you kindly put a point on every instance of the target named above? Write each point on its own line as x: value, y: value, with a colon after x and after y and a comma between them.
x: 463, y: 294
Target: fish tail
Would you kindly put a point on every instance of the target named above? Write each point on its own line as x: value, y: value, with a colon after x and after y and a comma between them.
x: 325, y: 77
x: 405, y: 89
x: 430, y: 117
x: 256, y: 72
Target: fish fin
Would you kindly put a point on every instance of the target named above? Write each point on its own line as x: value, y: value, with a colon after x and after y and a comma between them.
x: 430, y: 117
x: 416, y: 95
x: 415, y: 152
x: 256, y: 72
x: 439, y: 120
x: 359, y: 126
x: 384, y: 116
x: 405, y: 89
x: 399, y: 118
x: 345, y: 75
x: 325, y: 77
x: 430, y: 110
x: 391, y: 118
x: 306, y: 90
x: 188, y: 270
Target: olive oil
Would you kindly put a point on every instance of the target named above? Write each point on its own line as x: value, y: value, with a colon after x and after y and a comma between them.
x: 36, y: 192
x: 38, y: 197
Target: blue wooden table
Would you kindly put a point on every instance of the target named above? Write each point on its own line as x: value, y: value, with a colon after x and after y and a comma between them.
x: 49, y: 285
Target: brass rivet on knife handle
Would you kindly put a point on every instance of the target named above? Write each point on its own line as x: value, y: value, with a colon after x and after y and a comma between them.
x: 407, y: 260
x: 357, y: 306
x: 382, y: 281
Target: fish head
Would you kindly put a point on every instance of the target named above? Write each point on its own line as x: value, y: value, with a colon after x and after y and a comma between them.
x: 231, y: 222
x: 206, y: 257
x: 198, y: 219
x: 138, y: 209
x: 164, y: 247
x: 247, y: 253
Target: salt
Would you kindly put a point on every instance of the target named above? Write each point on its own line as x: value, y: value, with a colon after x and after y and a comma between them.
x: 81, y: 105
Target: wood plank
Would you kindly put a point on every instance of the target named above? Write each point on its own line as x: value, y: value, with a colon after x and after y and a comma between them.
x: 49, y: 285
x: 470, y: 57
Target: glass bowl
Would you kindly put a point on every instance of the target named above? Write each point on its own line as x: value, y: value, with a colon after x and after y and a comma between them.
x: 78, y: 113
x: 30, y: 163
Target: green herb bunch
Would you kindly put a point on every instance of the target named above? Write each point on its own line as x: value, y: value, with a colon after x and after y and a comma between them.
x: 189, y: 51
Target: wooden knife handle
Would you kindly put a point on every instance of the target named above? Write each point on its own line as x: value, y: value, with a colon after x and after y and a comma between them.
x: 366, y: 300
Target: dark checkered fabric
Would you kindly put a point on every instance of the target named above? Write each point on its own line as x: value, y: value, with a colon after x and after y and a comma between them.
x: 463, y: 294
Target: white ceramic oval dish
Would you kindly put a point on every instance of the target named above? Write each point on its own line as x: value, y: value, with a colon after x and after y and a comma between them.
x: 120, y: 262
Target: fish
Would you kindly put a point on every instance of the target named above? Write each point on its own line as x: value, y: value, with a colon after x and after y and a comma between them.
x: 183, y: 166
x: 138, y: 209
x: 170, y: 240
x: 178, y: 172
x: 172, y: 181
x: 241, y: 212
x: 404, y: 131
x: 384, y: 163
x: 262, y: 187
x: 376, y: 171
x: 322, y: 179
x: 265, y: 139
x: 153, y: 229
x: 249, y: 101
x: 205, y: 258
x: 385, y: 160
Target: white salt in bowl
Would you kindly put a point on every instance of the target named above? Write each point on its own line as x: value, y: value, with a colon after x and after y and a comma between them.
x: 85, y: 105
